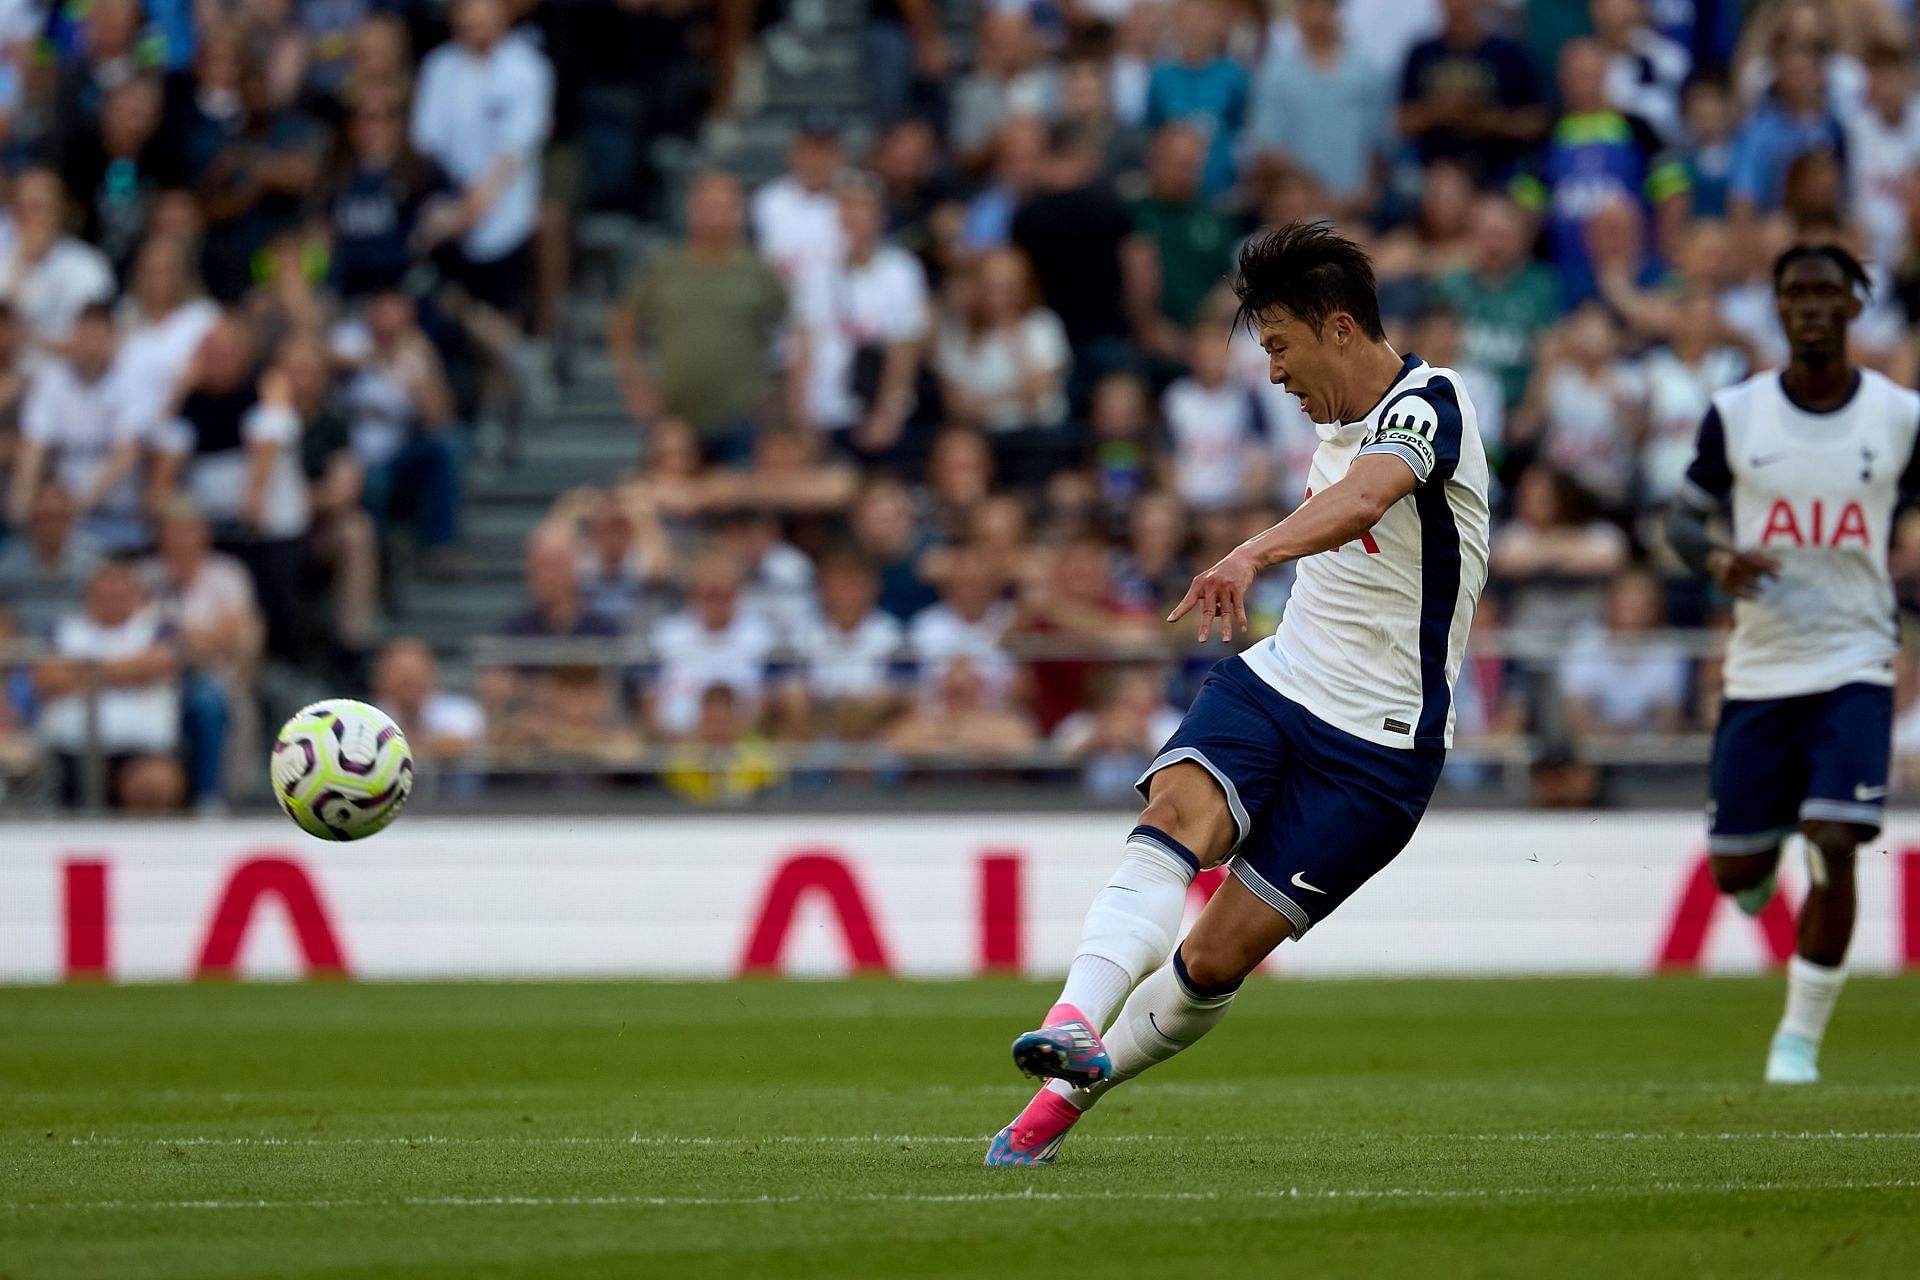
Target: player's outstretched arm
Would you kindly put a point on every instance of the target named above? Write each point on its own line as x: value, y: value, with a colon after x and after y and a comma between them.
x: 1332, y: 518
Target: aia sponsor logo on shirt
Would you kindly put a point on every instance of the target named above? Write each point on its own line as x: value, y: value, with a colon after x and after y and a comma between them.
x: 1809, y: 525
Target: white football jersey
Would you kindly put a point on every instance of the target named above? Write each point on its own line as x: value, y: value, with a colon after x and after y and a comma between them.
x: 1374, y: 633
x: 1817, y: 492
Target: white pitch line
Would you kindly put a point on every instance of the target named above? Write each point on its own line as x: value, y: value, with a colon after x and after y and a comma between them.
x: 1414, y: 1194
x: 922, y: 1139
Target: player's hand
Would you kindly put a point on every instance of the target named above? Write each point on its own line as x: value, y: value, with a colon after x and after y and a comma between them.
x: 1742, y: 574
x: 1220, y: 592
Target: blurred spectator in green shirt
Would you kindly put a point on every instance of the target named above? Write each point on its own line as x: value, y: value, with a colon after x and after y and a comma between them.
x: 1194, y: 241
x: 1504, y: 298
x: 711, y: 309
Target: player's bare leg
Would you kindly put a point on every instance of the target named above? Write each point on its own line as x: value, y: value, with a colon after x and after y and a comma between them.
x: 1748, y: 878
x: 1186, y: 827
x: 1817, y: 972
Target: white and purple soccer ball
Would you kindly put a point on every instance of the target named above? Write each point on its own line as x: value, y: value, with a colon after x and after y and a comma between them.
x: 341, y: 769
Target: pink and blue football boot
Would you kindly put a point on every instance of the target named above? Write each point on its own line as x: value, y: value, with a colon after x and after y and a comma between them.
x: 1035, y: 1135
x: 1067, y: 1048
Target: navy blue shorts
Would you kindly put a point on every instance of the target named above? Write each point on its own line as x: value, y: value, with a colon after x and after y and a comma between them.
x: 1780, y: 761
x: 1318, y: 810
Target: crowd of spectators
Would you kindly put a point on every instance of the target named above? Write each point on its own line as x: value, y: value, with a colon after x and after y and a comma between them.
x: 931, y: 426
x: 264, y: 274
x: 984, y: 411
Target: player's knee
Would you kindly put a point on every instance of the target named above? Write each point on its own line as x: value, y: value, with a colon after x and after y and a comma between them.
x: 1208, y: 970
x: 1189, y: 805
x: 1836, y: 842
x: 1733, y: 875
x: 1166, y: 813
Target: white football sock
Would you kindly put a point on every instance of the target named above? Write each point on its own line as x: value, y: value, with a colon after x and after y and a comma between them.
x: 1096, y: 987
x: 1812, y: 991
x: 1132, y: 925
x: 1162, y: 1017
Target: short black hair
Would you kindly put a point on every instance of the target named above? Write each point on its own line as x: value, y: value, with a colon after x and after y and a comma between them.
x: 1309, y: 270
x: 1856, y: 275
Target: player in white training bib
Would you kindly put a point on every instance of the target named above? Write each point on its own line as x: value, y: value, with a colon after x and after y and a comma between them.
x: 1305, y: 764
x: 1810, y: 465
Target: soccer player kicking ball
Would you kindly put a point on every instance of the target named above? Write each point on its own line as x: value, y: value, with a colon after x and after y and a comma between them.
x: 1305, y: 763
x: 1815, y: 460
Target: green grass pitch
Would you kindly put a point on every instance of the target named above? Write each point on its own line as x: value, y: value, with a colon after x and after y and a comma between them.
x: 1603, y: 1128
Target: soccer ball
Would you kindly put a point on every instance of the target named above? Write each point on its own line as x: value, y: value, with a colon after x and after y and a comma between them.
x: 341, y: 769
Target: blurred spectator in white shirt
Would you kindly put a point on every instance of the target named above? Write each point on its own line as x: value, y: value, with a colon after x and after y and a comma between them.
x: 79, y: 414
x: 866, y: 321
x: 163, y: 325
x: 439, y: 725
x: 969, y: 622
x: 207, y: 601
x: 796, y: 217
x: 1292, y: 438
x: 233, y: 437
x: 1003, y: 361
x: 45, y: 565
x: 482, y: 112
x: 1681, y: 376
x: 118, y: 653
x: 402, y: 413
x: 1585, y: 406
x: 48, y: 276
x: 777, y: 577
x: 1883, y: 149
x: 235, y: 443
x: 1622, y: 679
x: 1215, y: 432
x: 849, y: 651
x: 716, y: 639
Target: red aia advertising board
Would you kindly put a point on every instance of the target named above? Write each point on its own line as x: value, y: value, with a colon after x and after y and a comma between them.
x: 926, y: 896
